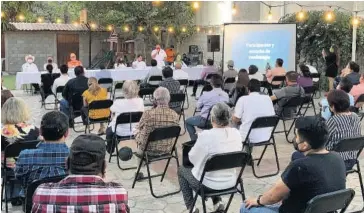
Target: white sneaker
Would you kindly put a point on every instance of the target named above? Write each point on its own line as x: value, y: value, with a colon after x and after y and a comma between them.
x: 220, y: 206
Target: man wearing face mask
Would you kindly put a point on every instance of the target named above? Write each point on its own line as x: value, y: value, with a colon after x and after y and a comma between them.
x: 30, y: 66
x: 319, y: 172
x: 51, y: 62
x: 159, y: 55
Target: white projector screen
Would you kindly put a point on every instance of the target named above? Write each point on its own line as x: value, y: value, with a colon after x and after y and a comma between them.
x: 259, y: 44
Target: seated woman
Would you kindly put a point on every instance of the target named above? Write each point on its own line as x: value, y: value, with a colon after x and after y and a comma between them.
x: 220, y: 139
x: 305, y: 80
x: 241, y: 86
x: 14, y: 115
x: 120, y: 64
x: 131, y: 103
x: 5, y: 95
x: 254, y: 74
x: 95, y: 93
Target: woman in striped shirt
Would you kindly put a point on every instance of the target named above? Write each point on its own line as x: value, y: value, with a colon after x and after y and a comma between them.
x: 343, y: 124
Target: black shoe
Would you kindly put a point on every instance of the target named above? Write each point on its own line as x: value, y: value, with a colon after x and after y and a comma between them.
x: 71, y: 124
x: 193, y: 95
x: 17, y: 201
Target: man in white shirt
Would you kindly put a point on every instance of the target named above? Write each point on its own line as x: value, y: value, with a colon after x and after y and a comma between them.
x: 159, y: 55
x: 178, y: 73
x: 250, y: 107
x: 29, y: 66
x: 154, y: 71
x: 54, y: 65
x: 139, y: 63
x: 61, y: 80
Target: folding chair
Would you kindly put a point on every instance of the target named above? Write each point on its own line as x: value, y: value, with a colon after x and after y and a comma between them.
x: 179, y: 98
x: 75, y: 106
x: 12, y: 151
x: 184, y: 83
x: 228, y: 82
x: 96, y: 105
x: 317, y: 84
x: 118, y: 86
x: 207, y: 124
x: 106, y: 83
x: 353, y: 144
x: 259, y: 123
x: 205, y: 88
x: 296, y: 102
x: 123, y: 118
x: 330, y: 202
x: 148, y: 91
x: 271, y: 86
x: 359, y: 103
x: 154, y: 80
x: 34, y: 185
x: 308, y: 99
x: 46, y: 87
x: 156, y: 135
x: 59, y: 90
x: 222, y: 162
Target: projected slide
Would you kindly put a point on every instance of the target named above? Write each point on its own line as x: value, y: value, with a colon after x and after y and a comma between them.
x: 260, y: 44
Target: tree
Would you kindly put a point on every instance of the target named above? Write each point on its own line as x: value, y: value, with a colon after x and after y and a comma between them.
x: 12, y: 10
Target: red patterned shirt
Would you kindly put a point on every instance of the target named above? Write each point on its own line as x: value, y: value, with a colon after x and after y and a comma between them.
x: 80, y: 194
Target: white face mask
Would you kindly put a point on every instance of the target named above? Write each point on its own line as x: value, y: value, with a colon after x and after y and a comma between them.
x: 30, y: 61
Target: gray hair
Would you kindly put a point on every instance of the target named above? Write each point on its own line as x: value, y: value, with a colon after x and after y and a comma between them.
x: 220, y: 114
x: 130, y: 89
x: 178, y: 65
x: 161, y: 96
x: 14, y: 111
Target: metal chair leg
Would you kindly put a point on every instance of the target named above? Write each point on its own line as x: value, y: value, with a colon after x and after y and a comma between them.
x: 194, y: 203
x: 360, y: 179
x: 138, y: 170
x: 261, y: 156
x: 229, y: 202
x: 203, y: 201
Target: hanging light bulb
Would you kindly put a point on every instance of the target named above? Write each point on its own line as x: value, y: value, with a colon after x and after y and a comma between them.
x: 75, y: 23
x: 196, y: 5
x: 40, y: 20
x: 21, y: 17
x: 270, y: 16
x: 234, y: 11
x: 156, y: 3
x: 198, y: 29
x: 156, y: 29
x: 140, y: 28
x: 110, y: 28
x: 210, y: 31
x: 170, y: 29
x: 356, y: 20
x: 126, y: 28
x: 93, y: 26
x: 58, y: 20
x: 329, y: 15
x: 2, y: 14
x: 184, y: 29
x: 301, y: 16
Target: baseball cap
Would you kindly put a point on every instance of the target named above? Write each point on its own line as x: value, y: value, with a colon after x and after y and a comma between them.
x: 230, y: 63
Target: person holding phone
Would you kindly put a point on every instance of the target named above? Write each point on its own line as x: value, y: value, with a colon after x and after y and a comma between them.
x: 159, y: 55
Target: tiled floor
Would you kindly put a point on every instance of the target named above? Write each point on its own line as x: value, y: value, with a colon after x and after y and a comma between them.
x: 140, y: 199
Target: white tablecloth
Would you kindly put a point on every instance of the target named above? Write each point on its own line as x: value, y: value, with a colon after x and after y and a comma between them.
x: 117, y: 75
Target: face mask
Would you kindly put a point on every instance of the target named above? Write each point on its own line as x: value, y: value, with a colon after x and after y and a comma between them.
x: 50, y: 61
x: 30, y: 61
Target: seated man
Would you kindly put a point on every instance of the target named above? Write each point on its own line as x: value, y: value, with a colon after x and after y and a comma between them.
x: 49, y: 158
x: 73, y: 63
x: 205, y: 103
x: 277, y: 71
x: 209, y: 69
x: 172, y: 85
x: 284, y: 94
x: 61, y: 80
x: 139, y: 63
x: 351, y: 71
x: 84, y: 188
x: 246, y: 112
x: 304, y: 178
x: 358, y: 90
x: 154, y: 71
x: 230, y: 73
x: 344, y: 85
x: 178, y: 73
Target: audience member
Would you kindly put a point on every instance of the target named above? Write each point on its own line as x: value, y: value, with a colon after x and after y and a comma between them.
x: 351, y: 72
x: 246, y: 112
x: 305, y: 79
x: 74, y: 86
x: 277, y: 71
x: 312, y: 70
x: 85, y: 187
x: 345, y: 85
x: 178, y: 73
x: 207, y: 70
x: 254, y: 74
x: 331, y: 69
x: 358, y: 90
x: 172, y: 85
x: 220, y: 139
x: 139, y: 63
x: 205, y: 103
x: 154, y: 71
x: 284, y: 94
x: 49, y: 158
x: 130, y: 103
x: 47, y: 82
x: 120, y: 63
x: 51, y: 62
x: 186, y: 59
x: 304, y: 178
x: 343, y: 124
x: 95, y: 93
x: 5, y: 95
x: 230, y: 73
x: 241, y: 86
x: 61, y: 80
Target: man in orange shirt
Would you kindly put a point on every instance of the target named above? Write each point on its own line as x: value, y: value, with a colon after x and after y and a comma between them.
x: 277, y: 71
x: 74, y: 62
x: 171, y: 54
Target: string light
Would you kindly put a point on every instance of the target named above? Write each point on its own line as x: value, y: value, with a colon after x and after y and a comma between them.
x: 58, y: 21
x: 109, y: 28
x: 140, y: 28
x: 210, y: 31
x: 329, y: 15
x: 355, y: 20
x: 196, y: 5
x: 198, y: 29
x: 2, y: 14
x: 156, y: 3
x: 156, y: 29
x: 21, y: 17
x: 184, y: 29
x: 75, y: 23
x: 170, y: 29
x: 270, y: 16
x: 126, y: 28
x: 301, y: 15
x: 40, y: 20
x: 93, y: 26
x: 233, y: 11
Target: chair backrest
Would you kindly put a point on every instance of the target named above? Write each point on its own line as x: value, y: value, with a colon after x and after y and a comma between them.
x: 100, y: 104
x: 76, y: 101
x: 266, y: 121
x: 360, y: 99
x: 206, y: 88
x: 330, y: 202
x: 293, y: 101
x: 14, y: 149
x: 33, y: 186
x: 164, y: 133
x: 309, y: 90
x: 209, y: 76
x: 119, y: 85
x: 155, y: 78
x: 146, y: 91
x: 229, y: 81
x: 350, y: 144
x: 226, y: 161
x: 315, y: 75
x: 177, y: 97
x: 59, y: 89
x: 279, y: 78
x: 183, y: 82
x: 105, y: 81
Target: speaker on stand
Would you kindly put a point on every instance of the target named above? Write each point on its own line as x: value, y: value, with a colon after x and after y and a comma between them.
x: 213, y: 44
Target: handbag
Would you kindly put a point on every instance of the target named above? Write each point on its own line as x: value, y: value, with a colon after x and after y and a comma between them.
x: 186, y: 148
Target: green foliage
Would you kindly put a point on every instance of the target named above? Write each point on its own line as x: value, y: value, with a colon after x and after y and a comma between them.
x: 12, y: 9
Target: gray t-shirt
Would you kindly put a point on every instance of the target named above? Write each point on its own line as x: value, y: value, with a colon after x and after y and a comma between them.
x: 283, y: 95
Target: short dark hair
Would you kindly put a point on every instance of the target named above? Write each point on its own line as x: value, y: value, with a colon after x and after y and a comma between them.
x: 64, y: 69
x: 216, y: 80
x: 172, y: 46
x: 5, y: 95
x: 354, y: 66
x: 54, y: 125
x: 346, y: 85
x: 313, y: 130
x: 49, y: 68
x: 279, y: 62
x: 139, y: 55
x: 167, y: 72
x: 254, y: 85
x: 153, y: 62
x: 252, y: 69
x: 305, y: 71
x: 292, y: 76
x: 210, y: 62
x: 339, y: 100
x: 79, y: 71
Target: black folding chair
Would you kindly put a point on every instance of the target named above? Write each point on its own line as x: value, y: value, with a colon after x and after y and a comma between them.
x: 293, y: 102
x: 123, y: 118
x: 34, y: 185
x: 207, y: 124
x: 97, y: 105
x: 259, y: 123
x: 59, y: 90
x: 222, y: 162
x: 106, y: 83
x: 118, y: 86
x: 154, y: 80
x: 46, y: 87
x: 184, y: 83
x: 12, y: 151
x: 317, y: 84
x: 75, y: 105
x: 353, y: 145
x: 179, y: 98
x: 156, y: 135
x: 330, y: 202
x: 308, y: 101
x: 147, y: 91
x: 359, y: 103
x: 275, y: 79
x: 205, y: 88
x: 228, y: 82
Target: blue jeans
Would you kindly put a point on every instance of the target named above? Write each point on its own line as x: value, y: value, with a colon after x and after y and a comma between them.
x: 191, y: 123
x: 264, y: 209
x: 64, y: 107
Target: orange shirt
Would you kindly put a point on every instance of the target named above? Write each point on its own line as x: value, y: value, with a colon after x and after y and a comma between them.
x: 277, y: 71
x: 74, y: 63
x: 171, y: 54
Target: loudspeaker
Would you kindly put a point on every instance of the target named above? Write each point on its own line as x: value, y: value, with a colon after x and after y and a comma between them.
x: 213, y: 43
x: 193, y: 49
